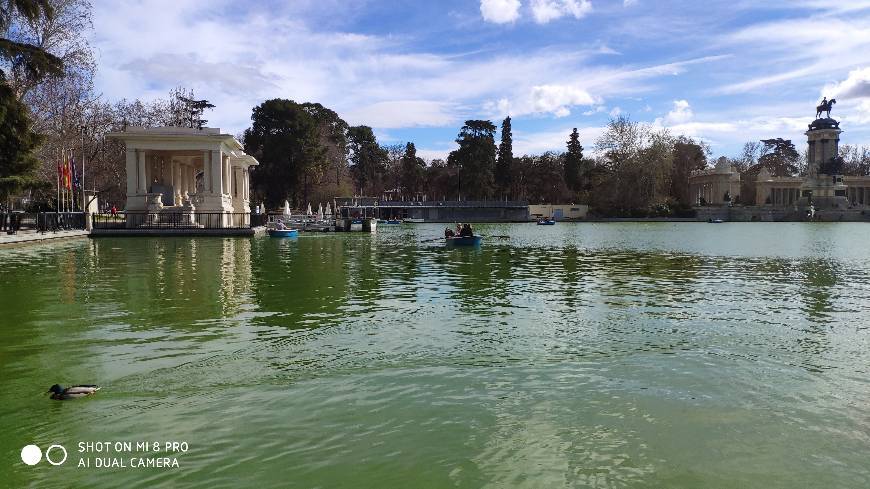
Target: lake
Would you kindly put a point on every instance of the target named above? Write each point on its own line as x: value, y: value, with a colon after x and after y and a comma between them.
x: 617, y: 355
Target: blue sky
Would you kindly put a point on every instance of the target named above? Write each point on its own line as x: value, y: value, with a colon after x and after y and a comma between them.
x: 723, y: 71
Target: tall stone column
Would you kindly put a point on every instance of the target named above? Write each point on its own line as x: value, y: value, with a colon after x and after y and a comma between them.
x: 132, y: 173
x: 206, y: 171
x: 143, y: 182
x: 217, y: 172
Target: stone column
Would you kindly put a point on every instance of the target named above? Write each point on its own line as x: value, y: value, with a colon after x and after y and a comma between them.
x: 132, y: 173
x: 217, y: 172
x: 143, y: 182
x: 206, y: 171
x: 228, y: 175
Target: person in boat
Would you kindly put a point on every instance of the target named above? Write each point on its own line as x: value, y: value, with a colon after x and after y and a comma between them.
x: 280, y: 225
x: 466, y: 231
x: 458, y: 229
x: 448, y: 233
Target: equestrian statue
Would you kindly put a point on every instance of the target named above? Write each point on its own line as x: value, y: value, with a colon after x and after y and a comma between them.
x: 825, y: 106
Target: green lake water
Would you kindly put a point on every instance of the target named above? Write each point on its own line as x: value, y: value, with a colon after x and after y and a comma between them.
x: 662, y: 355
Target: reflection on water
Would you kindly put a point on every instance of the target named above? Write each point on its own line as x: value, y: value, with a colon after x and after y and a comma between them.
x: 628, y: 355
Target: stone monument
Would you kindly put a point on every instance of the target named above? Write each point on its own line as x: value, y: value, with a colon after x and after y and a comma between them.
x: 823, y: 187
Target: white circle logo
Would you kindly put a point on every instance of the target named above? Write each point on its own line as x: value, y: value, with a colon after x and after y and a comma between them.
x: 52, y: 462
x: 31, y: 454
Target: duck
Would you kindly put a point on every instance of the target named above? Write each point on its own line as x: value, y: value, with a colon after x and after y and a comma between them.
x: 62, y: 394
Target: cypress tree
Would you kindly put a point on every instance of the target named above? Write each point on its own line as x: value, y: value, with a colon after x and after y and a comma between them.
x: 503, y: 177
x: 574, y: 162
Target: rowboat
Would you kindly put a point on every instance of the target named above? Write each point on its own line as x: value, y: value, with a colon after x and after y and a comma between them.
x: 413, y: 220
x: 389, y: 221
x: 716, y: 221
x: 283, y: 233
x: 464, y: 240
x: 546, y: 222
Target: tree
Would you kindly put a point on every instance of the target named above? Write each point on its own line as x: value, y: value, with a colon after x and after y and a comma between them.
x: 21, y: 59
x: 574, y: 174
x: 393, y: 172
x: 505, y: 158
x: 64, y: 34
x: 413, y: 170
x: 544, y: 177
x: 475, y: 158
x: 18, y: 165
x: 779, y: 156
x: 284, y: 138
x: 368, y: 160
x: 439, y: 182
x: 637, y: 161
x: 689, y: 156
x: 330, y: 178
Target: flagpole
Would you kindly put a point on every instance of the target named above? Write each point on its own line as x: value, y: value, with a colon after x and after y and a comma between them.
x: 57, y: 180
x: 82, y: 182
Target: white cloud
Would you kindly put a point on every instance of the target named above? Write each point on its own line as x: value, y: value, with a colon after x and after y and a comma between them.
x: 615, y: 112
x: 856, y: 85
x: 546, y: 10
x: 404, y: 113
x: 680, y: 114
x: 500, y: 11
x: 629, y: 3
x: 557, y: 99
x: 787, y: 50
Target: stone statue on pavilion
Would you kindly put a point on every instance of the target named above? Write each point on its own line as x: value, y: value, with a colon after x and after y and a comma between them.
x: 825, y: 106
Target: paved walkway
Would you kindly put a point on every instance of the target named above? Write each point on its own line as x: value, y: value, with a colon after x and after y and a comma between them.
x: 30, y: 236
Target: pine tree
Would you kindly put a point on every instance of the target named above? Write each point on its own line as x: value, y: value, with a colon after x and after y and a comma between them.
x: 503, y: 177
x: 18, y: 165
x: 574, y: 163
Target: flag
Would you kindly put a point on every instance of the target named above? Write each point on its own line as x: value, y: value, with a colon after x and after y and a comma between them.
x: 66, y: 175
x: 75, y: 175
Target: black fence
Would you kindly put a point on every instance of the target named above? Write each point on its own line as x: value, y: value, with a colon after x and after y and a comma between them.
x: 12, y: 222
x: 258, y: 220
x: 173, y: 220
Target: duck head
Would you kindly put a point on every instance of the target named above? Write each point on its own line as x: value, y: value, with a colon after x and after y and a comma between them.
x: 56, y: 389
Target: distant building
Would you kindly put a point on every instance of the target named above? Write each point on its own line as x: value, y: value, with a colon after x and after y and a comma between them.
x: 715, y: 186
x: 182, y: 170
x: 823, y: 187
x: 559, y: 212
x: 433, y: 210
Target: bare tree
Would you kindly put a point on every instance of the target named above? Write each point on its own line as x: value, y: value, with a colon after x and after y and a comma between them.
x: 63, y: 34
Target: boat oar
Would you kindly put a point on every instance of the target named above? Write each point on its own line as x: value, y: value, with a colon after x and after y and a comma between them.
x: 501, y: 236
x: 430, y: 240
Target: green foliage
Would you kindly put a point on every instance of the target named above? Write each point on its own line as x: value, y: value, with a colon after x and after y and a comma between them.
x: 285, y: 137
x: 475, y: 158
x: 780, y: 157
x: 636, y: 163
x: 503, y: 177
x: 413, y: 171
x: 18, y: 141
x: 574, y: 174
x: 33, y: 60
x: 689, y: 156
x: 368, y: 160
x: 543, y: 177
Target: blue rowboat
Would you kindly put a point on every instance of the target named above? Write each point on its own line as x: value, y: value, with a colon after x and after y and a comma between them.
x: 283, y: 233
x: 546, y: 222
x: 389, y: 221
x: 464, y: 241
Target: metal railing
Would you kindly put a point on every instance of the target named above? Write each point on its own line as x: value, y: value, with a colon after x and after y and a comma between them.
x: 13, y: 222
x: 173, y: 220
